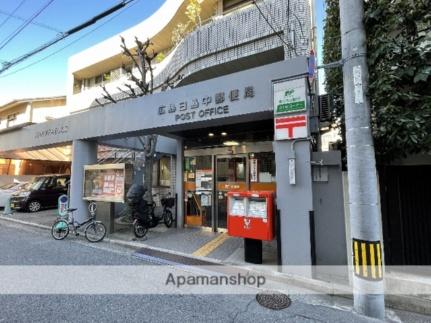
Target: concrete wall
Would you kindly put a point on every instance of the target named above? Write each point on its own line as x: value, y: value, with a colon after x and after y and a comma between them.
x: 6, y: 179
x: 328, y: 204
x: 141, y: 116
x: 294, y: 202
x: 83, y: 153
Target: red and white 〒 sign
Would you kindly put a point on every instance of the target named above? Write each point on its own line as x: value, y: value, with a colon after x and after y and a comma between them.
x: 291, y: 127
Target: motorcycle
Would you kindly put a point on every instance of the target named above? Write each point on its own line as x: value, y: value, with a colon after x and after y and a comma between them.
x: 143, y: 213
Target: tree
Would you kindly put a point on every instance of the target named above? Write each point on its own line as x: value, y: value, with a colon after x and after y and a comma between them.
x: 142, y: 84
x: 193, y: 13
x: 399, y: 61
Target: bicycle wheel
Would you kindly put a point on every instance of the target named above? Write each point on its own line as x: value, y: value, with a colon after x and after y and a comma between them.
x: 139, y: 230
x: 168, y: 218
x: 95, y: 232
x: 60, y: 229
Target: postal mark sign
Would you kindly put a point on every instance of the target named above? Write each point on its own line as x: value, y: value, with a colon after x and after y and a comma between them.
x: 290, y: 127
x: 289, y: 96
x: 290, y: 118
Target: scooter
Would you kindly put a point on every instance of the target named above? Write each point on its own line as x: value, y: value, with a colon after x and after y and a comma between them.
x: 143, y: 214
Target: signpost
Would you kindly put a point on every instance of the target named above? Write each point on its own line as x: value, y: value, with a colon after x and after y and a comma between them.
x: 290, y: 117
x: 291, y: 127
x: 63, y: 203
x: 289, y: 97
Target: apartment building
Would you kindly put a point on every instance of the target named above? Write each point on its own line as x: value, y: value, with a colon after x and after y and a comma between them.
x: 24, y: 112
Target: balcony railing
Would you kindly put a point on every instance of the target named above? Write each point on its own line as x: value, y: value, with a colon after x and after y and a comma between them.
x: 238, y: 34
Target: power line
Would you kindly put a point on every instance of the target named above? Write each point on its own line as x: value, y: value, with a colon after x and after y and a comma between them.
x: 273, y: 29
x: 8, y: 39
x: 12, y: 15
x: 70, y: 44
x: 15, y: 10
x: 62, y: 36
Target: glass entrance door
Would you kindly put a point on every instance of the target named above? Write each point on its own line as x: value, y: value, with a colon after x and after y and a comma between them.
x: 231, y: 175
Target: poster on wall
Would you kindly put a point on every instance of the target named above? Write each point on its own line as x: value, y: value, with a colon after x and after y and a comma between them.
x: 254, y: 174
x: 106, y: 182
x: 205, y: 199
x: 204, y: 179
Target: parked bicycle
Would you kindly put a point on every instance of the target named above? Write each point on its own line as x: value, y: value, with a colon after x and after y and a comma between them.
x: 143, y: 213
x: 94, y: 230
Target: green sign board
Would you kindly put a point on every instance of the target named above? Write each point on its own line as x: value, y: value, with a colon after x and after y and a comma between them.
x: 289, y: 96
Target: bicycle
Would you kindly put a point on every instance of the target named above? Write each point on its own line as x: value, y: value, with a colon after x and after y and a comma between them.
x: 94, y: 231
x: 143, y: 213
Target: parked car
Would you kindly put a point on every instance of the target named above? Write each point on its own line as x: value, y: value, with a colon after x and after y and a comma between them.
x: 42, y: 192
x: 7, y: 190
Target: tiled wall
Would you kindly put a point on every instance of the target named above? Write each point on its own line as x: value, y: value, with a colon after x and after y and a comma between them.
x: 239, y: 34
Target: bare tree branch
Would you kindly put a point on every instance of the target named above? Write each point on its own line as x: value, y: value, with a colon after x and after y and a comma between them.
x: 99, y: 103
x: 107, y: 95
x: 130, y: 94
x: 128, y: 53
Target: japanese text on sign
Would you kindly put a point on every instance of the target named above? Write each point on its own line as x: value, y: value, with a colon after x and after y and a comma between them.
x: 206, y: 106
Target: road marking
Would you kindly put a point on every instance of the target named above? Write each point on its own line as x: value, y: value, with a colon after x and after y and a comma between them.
x: 209, y: 247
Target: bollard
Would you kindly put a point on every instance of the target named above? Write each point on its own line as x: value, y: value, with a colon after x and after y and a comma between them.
x: 7, y: 210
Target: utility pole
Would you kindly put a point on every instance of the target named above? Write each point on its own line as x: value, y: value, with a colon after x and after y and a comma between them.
x: 365, y: 217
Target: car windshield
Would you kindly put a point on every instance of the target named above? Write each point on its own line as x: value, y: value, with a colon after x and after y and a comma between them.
x: 37, y: 183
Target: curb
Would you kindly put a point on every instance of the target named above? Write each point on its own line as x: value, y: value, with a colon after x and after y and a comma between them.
x: 401, y: 302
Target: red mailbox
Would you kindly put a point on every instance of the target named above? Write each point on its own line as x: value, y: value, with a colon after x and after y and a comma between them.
x: 251, y: 215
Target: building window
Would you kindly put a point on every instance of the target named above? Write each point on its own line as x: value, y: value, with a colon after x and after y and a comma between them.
x: 229, y: 5
x: 165, y: 171
x: 98, y: 79
x: 77, y: 86
x: 11, y: 117
x: 106, y: 77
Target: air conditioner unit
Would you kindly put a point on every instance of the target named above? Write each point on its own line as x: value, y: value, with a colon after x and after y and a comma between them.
x: 325, y: 107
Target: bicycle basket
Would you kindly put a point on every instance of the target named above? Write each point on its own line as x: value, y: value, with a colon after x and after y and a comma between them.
x: 61, y: 226
x: 168, y: 202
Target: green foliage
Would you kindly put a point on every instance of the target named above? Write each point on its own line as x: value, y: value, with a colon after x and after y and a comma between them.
x: 193, y: 13
x: 160, y: 57
x: 334, y: 76
x: 399, y: 62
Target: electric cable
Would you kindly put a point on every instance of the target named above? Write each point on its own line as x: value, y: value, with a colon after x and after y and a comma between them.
x: 11, y: 15
x: 13, y: 12
x: 9, y: 38
x: 64, y: 35
x: 273, y: 29
x: 70, y: 44
x: 288, y: 17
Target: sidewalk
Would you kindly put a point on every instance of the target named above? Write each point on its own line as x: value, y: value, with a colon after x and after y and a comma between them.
x: 192, y: 245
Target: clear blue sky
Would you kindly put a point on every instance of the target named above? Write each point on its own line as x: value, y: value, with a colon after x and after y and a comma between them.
x: 49, y: 76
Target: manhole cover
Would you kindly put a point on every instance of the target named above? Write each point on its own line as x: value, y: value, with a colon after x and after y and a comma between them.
x: 273, y: 300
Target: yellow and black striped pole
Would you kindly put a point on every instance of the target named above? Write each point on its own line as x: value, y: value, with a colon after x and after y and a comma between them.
x: 367, y: 259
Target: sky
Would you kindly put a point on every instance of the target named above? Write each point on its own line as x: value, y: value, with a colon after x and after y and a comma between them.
x: 48, y: 77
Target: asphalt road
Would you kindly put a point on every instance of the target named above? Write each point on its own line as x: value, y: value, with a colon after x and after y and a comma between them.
x: 21, y: 245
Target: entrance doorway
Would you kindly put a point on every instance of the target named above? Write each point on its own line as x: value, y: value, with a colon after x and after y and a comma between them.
x: 209, y: 174
x: 231, y: 175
